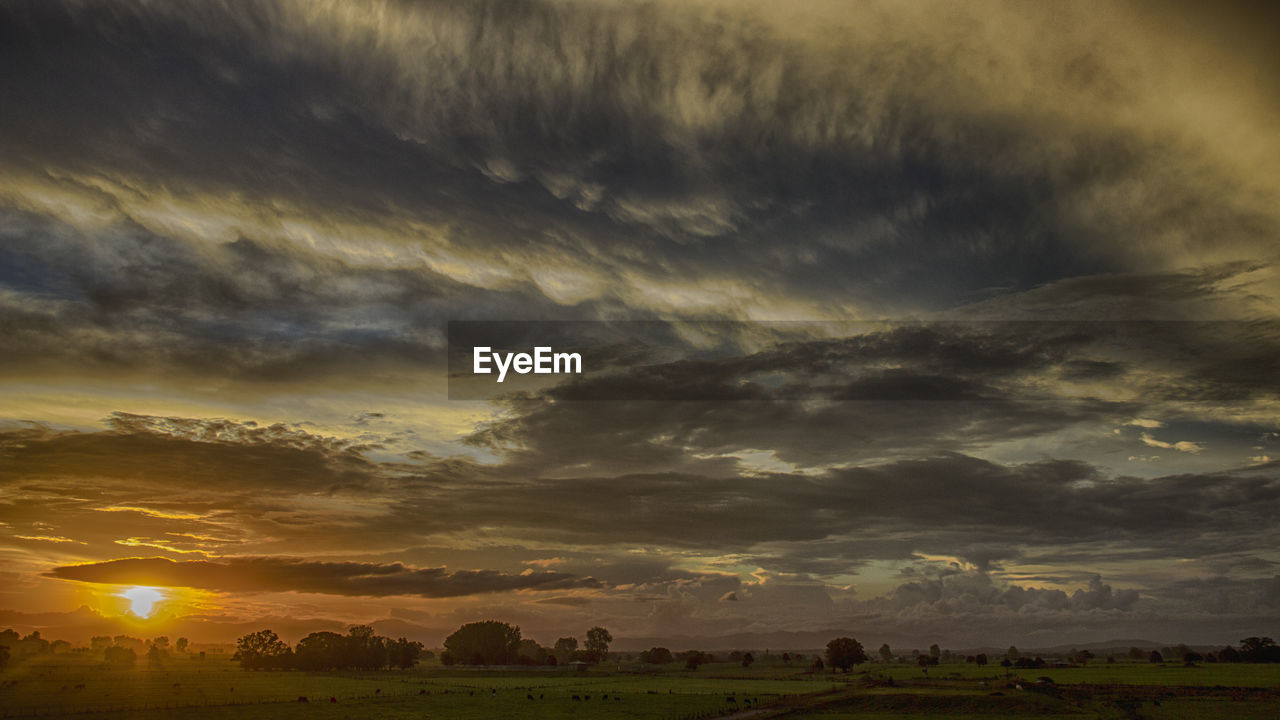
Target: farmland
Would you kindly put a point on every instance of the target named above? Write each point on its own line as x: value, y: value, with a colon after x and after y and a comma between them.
x: 216, y: 688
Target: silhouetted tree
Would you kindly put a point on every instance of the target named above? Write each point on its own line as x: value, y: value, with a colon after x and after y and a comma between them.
x: 935, y: 652
x: 182, y: 644
x: 694, y: 658
x: 322, y: 651
x: 1012, y: 653
x: 747, y: 659
x: 597, y: 645
x: 565, y: 648
x: 262, y: 650
x: 484, y: 643
x: 116, y: 655
x: 1259, y: 650
x: 844, y: 653
x: 656, y: 656
x: 980, y: 659
x: 155, y: 656
x: 365, y: 649
x: 99, y: 643
x: 4, y: 656
x: 1228, y: 654
x: 1155, y: 657
x: 886, y: 655
x: 403, y: 653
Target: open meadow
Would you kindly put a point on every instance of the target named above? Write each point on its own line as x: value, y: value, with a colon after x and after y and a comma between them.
x: 216, y: 688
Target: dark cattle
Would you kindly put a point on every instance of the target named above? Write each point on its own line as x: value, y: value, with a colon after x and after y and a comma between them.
x: 333, y: 699
x: 575, y: 697
x: 302, y: 699
x: 530, y: 697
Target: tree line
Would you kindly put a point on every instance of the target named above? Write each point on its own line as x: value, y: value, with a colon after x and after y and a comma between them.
x: 491, y: 642
x: 359, y: 649
x: 118, y: 650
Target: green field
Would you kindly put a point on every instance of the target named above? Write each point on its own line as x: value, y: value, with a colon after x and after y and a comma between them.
x: 70, y: 685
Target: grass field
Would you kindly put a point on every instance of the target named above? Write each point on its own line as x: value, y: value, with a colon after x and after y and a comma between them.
x: 215, y: 688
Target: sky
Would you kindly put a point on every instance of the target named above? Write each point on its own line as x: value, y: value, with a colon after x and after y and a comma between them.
x: 963, y: 319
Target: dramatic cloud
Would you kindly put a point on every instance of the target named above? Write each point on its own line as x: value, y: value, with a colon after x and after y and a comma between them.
x: 901, y: 316
x: 278, y: 574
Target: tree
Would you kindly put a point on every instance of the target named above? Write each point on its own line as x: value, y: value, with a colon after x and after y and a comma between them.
x: 980, y: 659
x: 1012, y: 653
x: 564, y: 648
x: 262, y: 650
x: 403, y: 653
x: 365, y: 649
x: 155, y: 657
x: 4, y: 656
x: 484, y: 643
x: 656, y: 656
x: 161, y: 642
x: 1228, y: 654
x: 123, y: 656
x: 597, y: 644
x: 1259, y: 650
x: 935, y: 652
x: 747, y: 659
x: 844, y: 653
x: 321, y: 651
x: 1084, y: 656
x: 1155, y: 657
x: 99, y: 643
x: 182, y: 645
x: 694, y: 658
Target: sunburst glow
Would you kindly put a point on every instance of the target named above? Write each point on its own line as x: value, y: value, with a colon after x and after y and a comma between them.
x: 142, y: 600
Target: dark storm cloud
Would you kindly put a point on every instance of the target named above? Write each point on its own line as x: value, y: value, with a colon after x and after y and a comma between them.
x: 245, y: 310
x: 278, y: 574
x: 957, y: 505
x: 887, y: 391
x: 649, y: 138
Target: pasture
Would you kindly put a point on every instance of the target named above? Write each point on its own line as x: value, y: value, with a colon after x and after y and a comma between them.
x: 216, y: 689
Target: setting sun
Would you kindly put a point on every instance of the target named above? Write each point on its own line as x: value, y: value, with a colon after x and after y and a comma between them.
x: 142, y: 600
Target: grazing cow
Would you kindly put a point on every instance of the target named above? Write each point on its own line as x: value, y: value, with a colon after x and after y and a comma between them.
x: 378, y: 691
x: 302, y: 698
x: 586, y: 697
x: 575, y: 697
x: 333, y: 699
x: 731, y: 699
x: 530, y: 697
